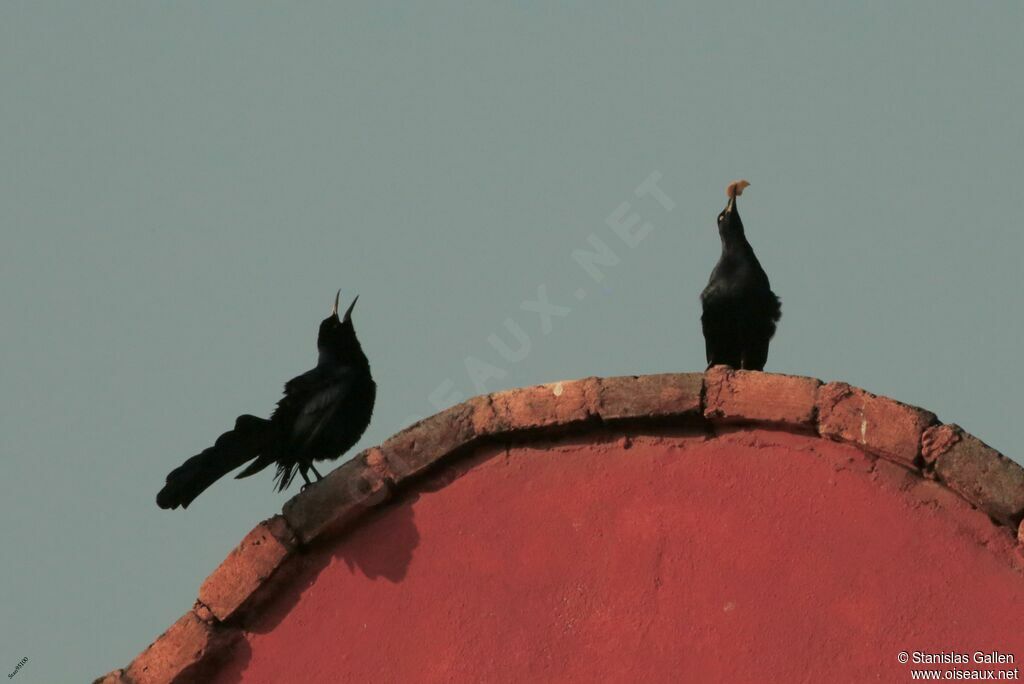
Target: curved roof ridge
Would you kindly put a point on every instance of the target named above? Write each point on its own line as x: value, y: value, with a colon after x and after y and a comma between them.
x: 881, y: 427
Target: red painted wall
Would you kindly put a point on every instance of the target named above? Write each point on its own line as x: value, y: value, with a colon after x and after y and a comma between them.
x: 753, y: 557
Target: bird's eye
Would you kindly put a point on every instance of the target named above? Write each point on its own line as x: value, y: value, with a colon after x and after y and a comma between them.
x: 720, y: 217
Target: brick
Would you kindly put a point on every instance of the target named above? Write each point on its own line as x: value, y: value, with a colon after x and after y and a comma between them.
x: 422, y: 444
x: 879, y: 425
x: 113, y: 677
x: 247, y: 568
x: 182, y: 653
x: 741, y: 396
x: 937, y: 440
x: 984, y: 477
x: 343, y: 495
x: 650, y: 396
x: 556, y: 404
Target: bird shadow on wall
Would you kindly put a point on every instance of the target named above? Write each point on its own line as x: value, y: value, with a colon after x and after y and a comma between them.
x: 365, y: 551
x: 230, y: 669
x: 378, y: 546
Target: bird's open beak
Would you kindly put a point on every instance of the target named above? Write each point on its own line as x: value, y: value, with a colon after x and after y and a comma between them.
x: 348, y: 311
x: 334, y: 309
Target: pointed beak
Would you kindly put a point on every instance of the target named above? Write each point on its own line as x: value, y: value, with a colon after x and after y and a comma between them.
x: 334, y: 310
x: 731, y: 205
x: 348, y: 311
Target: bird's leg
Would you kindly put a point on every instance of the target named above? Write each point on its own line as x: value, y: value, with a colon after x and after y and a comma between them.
x: 302, y: 472
x: 318, y: 475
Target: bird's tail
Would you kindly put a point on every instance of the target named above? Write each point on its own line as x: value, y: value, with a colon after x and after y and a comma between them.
x: 231, y: 450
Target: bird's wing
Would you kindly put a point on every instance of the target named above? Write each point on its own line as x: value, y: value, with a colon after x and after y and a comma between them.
x: 321, y: 397
x: 305, y: 383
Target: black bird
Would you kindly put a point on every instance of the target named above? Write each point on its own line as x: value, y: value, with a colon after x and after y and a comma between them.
x: 323, y: 413
x: 740, y: 309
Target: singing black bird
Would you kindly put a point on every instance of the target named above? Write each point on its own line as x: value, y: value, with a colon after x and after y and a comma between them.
x: 323, y: 413
x: 740, y: 309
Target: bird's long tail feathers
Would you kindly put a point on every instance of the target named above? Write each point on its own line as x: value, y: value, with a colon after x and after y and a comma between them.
x: 232, y: 449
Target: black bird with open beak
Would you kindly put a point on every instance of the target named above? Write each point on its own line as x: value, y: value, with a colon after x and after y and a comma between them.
x: 739, y: 308
x: 337, y: 333
x: 322, y: 415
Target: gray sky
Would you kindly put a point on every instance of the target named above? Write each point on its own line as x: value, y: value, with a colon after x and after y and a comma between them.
x: 184, y: 186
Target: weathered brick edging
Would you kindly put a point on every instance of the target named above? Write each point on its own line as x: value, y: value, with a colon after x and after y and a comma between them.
x: 881, y: 427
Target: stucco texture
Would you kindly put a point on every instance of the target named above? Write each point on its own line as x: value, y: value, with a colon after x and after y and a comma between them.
x: 749, y: 555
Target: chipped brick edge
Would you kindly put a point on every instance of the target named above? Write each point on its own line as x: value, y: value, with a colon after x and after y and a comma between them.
x: 740, y: 396
x: 850, y: 414
x: 981, y: 475
x: 186, y: 652
x: 240, y: 578
x: 539, y: 412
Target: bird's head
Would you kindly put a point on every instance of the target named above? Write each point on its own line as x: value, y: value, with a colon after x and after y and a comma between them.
x: 729, y: 222
x: 337, y: 333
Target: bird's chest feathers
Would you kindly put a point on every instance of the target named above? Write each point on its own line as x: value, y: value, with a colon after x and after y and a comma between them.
x: 731, y: 279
